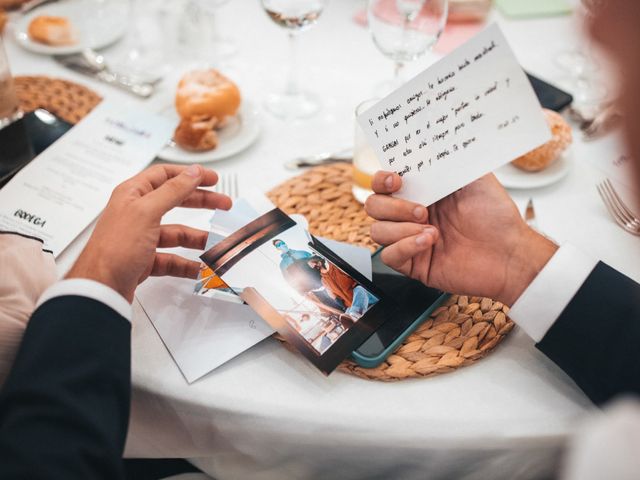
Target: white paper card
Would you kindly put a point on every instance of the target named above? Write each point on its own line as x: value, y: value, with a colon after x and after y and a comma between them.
x: 63, y: 190
x: 465, y: 116
x: 203, y: 333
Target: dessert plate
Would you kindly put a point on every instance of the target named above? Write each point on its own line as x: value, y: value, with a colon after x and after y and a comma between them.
x: 97, y: 25
x: 517, y: 179
x: 239, y: 133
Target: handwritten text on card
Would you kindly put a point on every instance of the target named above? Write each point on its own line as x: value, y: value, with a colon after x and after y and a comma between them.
x: 465, y: 116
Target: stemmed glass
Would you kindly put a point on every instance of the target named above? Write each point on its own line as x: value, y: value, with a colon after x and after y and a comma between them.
x: 588, y: 91
x: 221, y: 46
x: 404, y: 30
x: 296, y: 16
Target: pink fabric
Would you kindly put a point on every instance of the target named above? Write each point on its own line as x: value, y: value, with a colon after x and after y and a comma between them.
x: 25, y: 272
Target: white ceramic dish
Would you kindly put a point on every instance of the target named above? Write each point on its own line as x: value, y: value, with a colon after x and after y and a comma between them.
x: 96, y: 26
x: 517, y: 179
x: 236, y: 136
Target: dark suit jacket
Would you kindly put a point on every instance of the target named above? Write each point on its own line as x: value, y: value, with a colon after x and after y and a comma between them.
x: 64, y: 409
x: 596, y: 339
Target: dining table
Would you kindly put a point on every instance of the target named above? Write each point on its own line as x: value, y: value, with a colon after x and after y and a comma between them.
x: 267, y: 414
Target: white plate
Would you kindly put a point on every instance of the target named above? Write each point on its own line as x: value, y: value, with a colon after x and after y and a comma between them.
x: 96, y: 26
x: 237, y: 136
x: 517, y: 179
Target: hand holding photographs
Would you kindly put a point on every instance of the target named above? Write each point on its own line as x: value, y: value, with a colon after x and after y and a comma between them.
x: 314, y: 299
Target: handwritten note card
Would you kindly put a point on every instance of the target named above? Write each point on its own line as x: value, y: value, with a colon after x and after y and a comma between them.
x: 468, y: 114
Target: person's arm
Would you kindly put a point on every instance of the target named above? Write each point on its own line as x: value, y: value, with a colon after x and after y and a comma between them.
x: 585, y: 316
x: 64, y: 409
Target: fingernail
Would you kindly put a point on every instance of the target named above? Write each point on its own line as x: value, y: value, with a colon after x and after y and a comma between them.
x: 418, y: 213
x: 388, y: 182
x: 423, y: 238
x: 193, y: 171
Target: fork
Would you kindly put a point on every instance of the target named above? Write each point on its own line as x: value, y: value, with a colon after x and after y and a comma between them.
x: 228, y: 185
x: 622, y: 215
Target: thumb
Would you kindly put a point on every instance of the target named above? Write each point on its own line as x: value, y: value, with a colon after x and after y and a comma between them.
x: 174, y: 191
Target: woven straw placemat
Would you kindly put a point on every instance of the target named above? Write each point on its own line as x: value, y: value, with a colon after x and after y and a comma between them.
x: 66, y: 99
x: 459, y: 333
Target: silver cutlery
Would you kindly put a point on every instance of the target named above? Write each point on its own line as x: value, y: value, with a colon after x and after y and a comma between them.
x: 228, y: 185
x: 622, y: 215
x: 93, y: 64
x: 341, y: 156
x: 530, y: 215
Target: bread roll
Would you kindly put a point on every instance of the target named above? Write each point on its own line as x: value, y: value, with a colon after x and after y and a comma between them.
x: 207, y: 94
x: 196, y: 136
x: 546, y: 154
x: 56, y: 31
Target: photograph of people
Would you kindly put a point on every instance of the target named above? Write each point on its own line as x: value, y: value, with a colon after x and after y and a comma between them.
x: 341, y: 286
x: 297, y: 286
x: 297, y: 272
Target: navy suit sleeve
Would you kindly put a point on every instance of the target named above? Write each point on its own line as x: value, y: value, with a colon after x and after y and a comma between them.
x: 64, y: 409
x: 596, y: 339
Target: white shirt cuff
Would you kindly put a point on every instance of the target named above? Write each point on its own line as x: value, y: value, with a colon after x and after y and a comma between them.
x: 544, y: 300
x: 91, y: 289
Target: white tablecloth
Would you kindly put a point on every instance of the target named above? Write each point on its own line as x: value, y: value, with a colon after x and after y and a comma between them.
x: 268, y: 414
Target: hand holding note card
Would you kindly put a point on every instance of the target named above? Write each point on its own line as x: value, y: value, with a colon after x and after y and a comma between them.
x: 462, y: 118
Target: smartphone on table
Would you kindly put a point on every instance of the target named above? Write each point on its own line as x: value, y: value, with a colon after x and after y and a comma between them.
x: 416, y: 301
x: 21, y: 141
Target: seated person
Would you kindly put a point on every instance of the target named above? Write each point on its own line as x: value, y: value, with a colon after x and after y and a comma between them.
x: 64, y: 408
x: 475, y: 242
x: 341, y: 286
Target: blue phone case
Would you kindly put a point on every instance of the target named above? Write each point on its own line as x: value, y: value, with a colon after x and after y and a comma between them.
x: 372, y: 362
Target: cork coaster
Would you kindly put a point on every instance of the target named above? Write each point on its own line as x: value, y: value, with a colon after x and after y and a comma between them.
x: 63, y: 98
x: 457, y: 334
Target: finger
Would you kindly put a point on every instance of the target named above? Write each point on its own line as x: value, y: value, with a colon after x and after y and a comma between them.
x: 154, y: 177
x: 168, y: 264
x: 182, y: 236
x: 386, y: 233
x: 399, y: 254
x: 384, y: 207
x: 174, y: 191
x: 386, y: 182
x: 206, y: 199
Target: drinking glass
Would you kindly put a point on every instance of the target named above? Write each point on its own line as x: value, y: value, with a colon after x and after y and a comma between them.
x: 219, y: 45
x: 295, y: 16
x: 9, y: 109
x: 581, y: 70
x: 404, y: 30
x: 141, y: 59
x: 365, y: 161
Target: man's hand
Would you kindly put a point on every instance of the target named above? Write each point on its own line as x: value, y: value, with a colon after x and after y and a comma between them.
x: 471, y: 242
x: 121, y: 252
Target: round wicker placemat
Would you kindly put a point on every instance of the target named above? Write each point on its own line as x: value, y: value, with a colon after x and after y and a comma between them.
x: 66, y: 99
x: 457, y: 334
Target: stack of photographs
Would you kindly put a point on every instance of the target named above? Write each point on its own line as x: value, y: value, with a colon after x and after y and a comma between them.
x: 318, y: 302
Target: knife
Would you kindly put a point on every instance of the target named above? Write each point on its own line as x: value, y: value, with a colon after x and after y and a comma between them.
x: 78, y: 62
x: 530, y: 215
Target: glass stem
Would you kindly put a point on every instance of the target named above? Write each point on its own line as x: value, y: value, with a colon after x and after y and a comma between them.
x: 397, y: 70
x: 293, y: 87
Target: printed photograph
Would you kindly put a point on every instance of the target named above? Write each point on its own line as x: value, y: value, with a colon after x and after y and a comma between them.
x: 300, y: 292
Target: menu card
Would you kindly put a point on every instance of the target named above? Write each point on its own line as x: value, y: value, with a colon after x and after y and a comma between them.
x: 63, y: 190
x: 465, y: 116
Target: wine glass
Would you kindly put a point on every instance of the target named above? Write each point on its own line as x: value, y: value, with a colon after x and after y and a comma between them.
x: 404, y: 30
x: 581, y: 69
x: 141, y: 59
x: 296, y: 16
x: 209, y: 13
